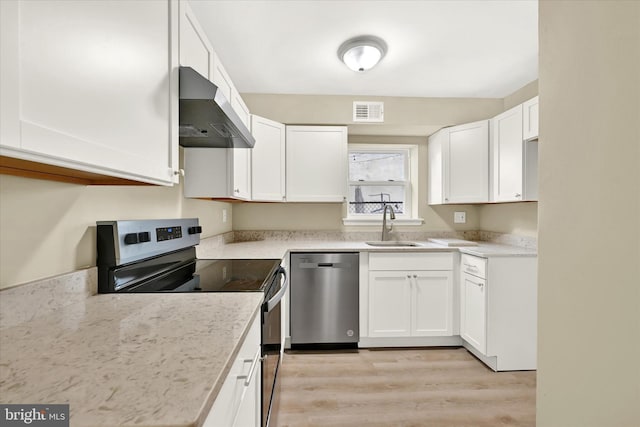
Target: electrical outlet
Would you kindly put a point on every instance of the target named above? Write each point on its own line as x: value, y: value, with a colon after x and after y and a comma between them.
x: 459, y: 217
x: 224, y: 215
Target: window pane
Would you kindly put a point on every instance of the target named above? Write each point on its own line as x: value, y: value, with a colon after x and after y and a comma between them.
x: 376, y: 166
x: 370, y: 199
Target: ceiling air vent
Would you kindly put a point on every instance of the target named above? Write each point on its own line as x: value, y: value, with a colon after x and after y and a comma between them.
x: 368, y: 112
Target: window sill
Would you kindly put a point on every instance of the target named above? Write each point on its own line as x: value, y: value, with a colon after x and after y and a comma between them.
x: 378, y: 221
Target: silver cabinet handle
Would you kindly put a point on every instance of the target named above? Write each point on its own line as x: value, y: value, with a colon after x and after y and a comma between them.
x: 518, y: 195
x: 408, y: 276
x: 480, y: 285
x: 415, y: 276
x: 255, y: 360
x: 470, y: 266
x: 247, y: 380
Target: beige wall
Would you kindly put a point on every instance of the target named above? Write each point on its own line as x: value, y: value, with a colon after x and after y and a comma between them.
x: 523, y: 94
x: 48, y: 228
x: 589, y: 214
x: 511, y: 218
x: 403, y: 116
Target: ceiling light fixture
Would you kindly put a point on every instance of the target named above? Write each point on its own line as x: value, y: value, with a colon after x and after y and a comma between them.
x: 362, y: 53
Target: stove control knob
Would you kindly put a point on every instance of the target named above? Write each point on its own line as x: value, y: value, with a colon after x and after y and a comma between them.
x: 131, y: 238
x: 144, y: 236
x: 195, y: 230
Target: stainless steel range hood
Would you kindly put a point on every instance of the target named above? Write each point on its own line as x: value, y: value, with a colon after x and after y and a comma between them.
x: 206, y: 116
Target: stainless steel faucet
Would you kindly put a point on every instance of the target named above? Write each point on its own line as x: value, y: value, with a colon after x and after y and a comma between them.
x: 392, y: 215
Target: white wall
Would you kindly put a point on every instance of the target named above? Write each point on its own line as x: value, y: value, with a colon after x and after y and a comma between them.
x: 589, y: 214
x: 48, y: 228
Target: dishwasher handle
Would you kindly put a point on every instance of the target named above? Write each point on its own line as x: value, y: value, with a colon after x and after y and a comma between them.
x: 324, y: 265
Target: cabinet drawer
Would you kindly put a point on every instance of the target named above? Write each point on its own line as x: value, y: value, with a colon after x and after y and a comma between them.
x: 474, y: 265
x: 410, y: 261
x: 225, y: 408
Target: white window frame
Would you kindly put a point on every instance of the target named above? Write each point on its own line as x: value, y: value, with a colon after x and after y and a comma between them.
x: 410, y: 215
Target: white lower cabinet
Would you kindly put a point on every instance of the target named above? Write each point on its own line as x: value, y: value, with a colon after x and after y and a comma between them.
x: 410, y: 303
x: 409, y: 295
x: 473, y: 316
x: 238, y: 402
x: 498, y: 310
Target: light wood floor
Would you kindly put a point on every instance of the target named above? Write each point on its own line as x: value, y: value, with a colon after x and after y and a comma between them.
x: 401, y: 388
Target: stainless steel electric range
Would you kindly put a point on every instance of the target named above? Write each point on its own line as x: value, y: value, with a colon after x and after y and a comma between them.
x: 140, y: 256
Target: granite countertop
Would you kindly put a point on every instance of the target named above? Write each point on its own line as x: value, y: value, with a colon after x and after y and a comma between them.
x: 488, y: 250
x: 278, y: 249
x: 128, y: 360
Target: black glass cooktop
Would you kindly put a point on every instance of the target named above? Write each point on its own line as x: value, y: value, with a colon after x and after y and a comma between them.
x: 234, y: 275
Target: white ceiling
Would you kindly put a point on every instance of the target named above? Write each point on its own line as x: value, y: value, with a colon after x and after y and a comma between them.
x: 455, y: 48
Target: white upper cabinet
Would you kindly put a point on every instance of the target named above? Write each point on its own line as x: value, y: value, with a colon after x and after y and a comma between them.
x: 268, y: 160
x: 221, y: 79
x: 459, y: 164
x: 195, y: 50
x: 241, y: 109
x: 217, y: 173
x: 92, y: 86
x: 530, y: 119
x: 316, y: 163
x: 513, y: 163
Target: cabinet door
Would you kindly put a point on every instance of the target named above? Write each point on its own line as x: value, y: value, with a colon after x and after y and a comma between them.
x: 466, y: 163
x: 92, y: 86
x: 437, y: 141
x: 530, y: 119
x: 249, y: 412
x: 267, y: 160
x: 473, y: 319
x: 432, y: 303
x: 389, y: 304
x: 316, y: 169
x: 241, y: 173
x: 507, y: 156
x: 217, y: 172
x: 221, y: 79
x: 238, y: 403
x: 195, y: 50
x: 241, y: 109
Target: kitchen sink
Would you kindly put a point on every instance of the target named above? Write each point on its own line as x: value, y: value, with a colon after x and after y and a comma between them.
x: 392, y: 243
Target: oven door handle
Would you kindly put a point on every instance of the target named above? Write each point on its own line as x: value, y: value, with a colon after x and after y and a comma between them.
x: 275, y: 300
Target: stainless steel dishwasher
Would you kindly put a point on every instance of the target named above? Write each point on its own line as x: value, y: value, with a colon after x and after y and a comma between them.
x: 324, y: 299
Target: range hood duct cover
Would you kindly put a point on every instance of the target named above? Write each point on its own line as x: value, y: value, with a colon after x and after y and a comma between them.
x: 206, y: 116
